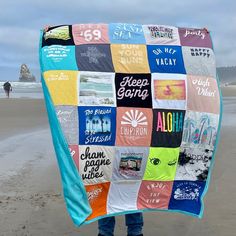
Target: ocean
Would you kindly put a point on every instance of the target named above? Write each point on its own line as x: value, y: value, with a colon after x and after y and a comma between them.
x: 23, y: 90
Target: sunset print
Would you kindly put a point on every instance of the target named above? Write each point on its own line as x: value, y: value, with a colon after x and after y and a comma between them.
x: 169, y: 89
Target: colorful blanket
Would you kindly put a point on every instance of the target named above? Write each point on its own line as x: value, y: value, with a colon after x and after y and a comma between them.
x: 134, y: 112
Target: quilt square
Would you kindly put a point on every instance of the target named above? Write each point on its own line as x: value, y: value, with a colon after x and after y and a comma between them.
x: 129, y: 163
x: 199, y: 61
x: 123, y: 196
x: 161, y: 34
x: 193, y: 163
x: 97, y: 88
x: 161, y: 164
x: 58, y: 35
x: 90, y: 34
x: 56, y: 57
x: 97, y: 125
x: 134, y: 126
x: 68, y: 118
x: 200, y: 130
x: 167, y: 127
x: 154, y: 194
x: 133, y: 90
x: 62, y: 86
x: 120, y: 33
x: 203, y: 94
x: 165, y: 59
x: 186, y: 196
x: 195, y: 37
x: 94, y: 57
x: 97, y: 196
x: 130, y: 58
x: 169, y: 91
x: 95, y: 164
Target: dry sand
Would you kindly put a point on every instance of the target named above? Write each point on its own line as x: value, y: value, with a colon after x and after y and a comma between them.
x: 229, y: 91
x: 30, y: 191
x: 20, y: 115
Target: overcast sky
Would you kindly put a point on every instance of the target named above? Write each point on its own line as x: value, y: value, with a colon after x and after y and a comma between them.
x: 21, y: 20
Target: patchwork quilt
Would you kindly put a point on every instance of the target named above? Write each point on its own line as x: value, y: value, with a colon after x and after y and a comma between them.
x: 135, y: 112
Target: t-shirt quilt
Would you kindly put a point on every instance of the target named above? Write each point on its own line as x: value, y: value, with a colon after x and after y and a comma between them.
x: 135, y: 113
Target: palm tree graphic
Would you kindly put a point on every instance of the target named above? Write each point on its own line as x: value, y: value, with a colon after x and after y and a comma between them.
x: 203, y: 121
x: 188, y: 125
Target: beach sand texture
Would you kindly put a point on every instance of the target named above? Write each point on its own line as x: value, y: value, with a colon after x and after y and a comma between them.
x: 31, y: 202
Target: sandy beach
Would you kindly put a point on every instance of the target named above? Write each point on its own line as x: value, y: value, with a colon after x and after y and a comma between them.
x: 31, y: 202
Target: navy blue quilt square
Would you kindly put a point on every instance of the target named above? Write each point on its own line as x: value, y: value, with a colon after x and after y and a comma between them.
x: 166, y: 59
x: 186, y: 196
x: 94, y: 57
x: 97, y: 125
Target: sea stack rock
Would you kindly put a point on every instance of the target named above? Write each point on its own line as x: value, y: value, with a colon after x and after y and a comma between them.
x: 25, y: 75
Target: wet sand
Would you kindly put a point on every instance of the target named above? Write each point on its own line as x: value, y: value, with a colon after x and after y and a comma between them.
x: 30, y: 190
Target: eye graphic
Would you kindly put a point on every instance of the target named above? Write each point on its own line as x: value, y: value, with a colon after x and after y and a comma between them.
x: 172, y: 163
x: 155, y: 161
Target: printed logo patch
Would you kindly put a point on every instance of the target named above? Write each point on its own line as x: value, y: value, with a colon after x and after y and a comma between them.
x: 126, y: 33
x: 97, y: 88
x: 97, y: 125
x: 186, y: 196
x: 130, y: 58
x: 95, y: 164
x: 134, y: 126
x: 97, y: 196
x: 154, y: 194
x: 133, y: 90
x: 195, y: 38
x: 62, y: 86
x: 129, y: 163
x: 203, y: 94
x: 166, y: 59
x: 167, y: 128
x: 161, y: 34
x: 161, y: 164
x: 90, y: 34
x: 94, y: 57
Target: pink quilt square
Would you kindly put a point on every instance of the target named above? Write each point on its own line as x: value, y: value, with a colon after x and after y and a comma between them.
x: 154, y: 194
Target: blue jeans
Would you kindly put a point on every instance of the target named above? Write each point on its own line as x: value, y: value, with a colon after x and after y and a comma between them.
x: 134, y: 222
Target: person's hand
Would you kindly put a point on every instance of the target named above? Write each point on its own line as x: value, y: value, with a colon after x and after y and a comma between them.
x: 206, y: 30
x: 46, y: 28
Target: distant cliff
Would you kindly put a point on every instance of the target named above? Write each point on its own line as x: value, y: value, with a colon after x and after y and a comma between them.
x: 25, y: 75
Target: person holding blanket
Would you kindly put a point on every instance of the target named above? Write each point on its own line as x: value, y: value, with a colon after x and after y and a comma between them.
x: 134, y: 223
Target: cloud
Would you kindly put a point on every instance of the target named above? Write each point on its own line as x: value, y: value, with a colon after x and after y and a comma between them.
x: 20, y: 22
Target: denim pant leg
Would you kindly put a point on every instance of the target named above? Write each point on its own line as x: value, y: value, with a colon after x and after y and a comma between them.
x: 134, y: 222
x: 106, y: 226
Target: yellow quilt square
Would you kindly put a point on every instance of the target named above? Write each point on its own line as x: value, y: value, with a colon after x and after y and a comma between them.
x: 130, y: 58
x: 62, y: 86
